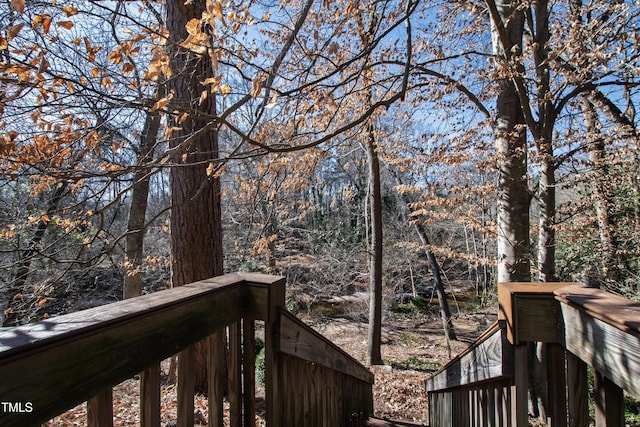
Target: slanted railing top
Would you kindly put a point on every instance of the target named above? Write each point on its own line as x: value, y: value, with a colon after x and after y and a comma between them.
x: 603, y: 330
x: 487, y: 359
x: 613, y: 309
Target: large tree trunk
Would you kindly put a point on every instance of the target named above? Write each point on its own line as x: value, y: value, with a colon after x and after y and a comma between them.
x: 511, y: 150
x: 196, y: 236
x: 374, y: 354
x: 134, y: 243
x: 547, y: 206
x: 543, y: 134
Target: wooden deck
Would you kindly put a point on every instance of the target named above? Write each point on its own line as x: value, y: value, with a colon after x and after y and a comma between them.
x: 579, y: 327
x: 56, y: 364
x: 51, y: 366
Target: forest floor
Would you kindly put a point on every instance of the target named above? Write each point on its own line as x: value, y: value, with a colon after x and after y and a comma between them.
x: 413, y: 348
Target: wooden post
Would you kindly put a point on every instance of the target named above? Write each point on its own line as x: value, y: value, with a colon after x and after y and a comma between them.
x: 557, y: 384
x: 249, y: 371
x: 235, y: 374
x: 578, y: 391
x: 273, y: 374
x: 217, y: 371
x: 609, y: 399
x: 186, y: 386
x: 532, y: 315
x: 520, y: 389
x: 150, y: 396
x: 100, y: 409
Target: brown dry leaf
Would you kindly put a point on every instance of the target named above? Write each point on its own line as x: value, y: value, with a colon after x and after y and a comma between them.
x: 18, y: 5
x: 13, y: 31
x: 67, y: 25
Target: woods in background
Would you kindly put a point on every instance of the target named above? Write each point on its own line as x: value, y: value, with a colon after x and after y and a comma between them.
x: 313, y: 140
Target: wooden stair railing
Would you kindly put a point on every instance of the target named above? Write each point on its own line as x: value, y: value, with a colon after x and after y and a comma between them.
x: 580, y: 327
x: 320, y: 384
x: 53, y: 365
x: 476, y: 384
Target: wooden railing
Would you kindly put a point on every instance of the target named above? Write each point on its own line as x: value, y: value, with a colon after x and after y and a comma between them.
x: 487, y: 385
x: 51, y: 366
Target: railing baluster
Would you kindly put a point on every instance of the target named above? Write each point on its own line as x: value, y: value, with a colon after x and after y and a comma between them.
x: 578, y: 391
x: 186, y: 386
x: 557, y: 384
x: 150, y: 396
x: 609, y: 399
x: 216, y: 379
x: 519, y: 401
x: 249, y: 371
x: 235, y: 374
x: 100, y: 409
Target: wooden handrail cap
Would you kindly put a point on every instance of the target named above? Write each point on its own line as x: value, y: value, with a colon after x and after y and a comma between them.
x: 613, y: 309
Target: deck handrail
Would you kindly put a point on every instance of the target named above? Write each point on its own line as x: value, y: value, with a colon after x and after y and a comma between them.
x: 580, y: 327
x: 51, y: 366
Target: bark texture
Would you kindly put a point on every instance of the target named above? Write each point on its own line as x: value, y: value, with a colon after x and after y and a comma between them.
x: 134, y: 242
x: 196, y: 236
x: 511, y: 151
x: 374, y: 355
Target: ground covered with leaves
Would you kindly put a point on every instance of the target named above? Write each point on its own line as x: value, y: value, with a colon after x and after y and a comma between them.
x: 413, y: 348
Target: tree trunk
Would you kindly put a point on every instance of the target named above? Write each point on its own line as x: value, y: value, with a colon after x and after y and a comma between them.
x: 547, y: 206
x: 26, y: 257
x: 134, y: 252
x: 445, y: 313
x: 511, y: 150
x: 543, y: 134
x: 196, y: 236
x: 374, y: 354
x: 601, y: 199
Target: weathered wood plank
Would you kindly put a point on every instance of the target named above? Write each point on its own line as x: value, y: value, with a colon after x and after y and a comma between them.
x: 557, y: 384
x: 249, y: 372
x: 488, y: 358
x: 377, y: 422
x: 186, y: 386
x: 81, y: 354
x: 235, y: 375
x: 100, y: 409
x: 275, y: 387
x: 298, y: 339
x: 519, y: 410
x: 216, y: 379
x: 609, y: 350
x: 577, y: 392
x: 150, y: 396
x: 609, y: 402
x: 15, y: 339
x: 267, y: 294
x: 613, y: 309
